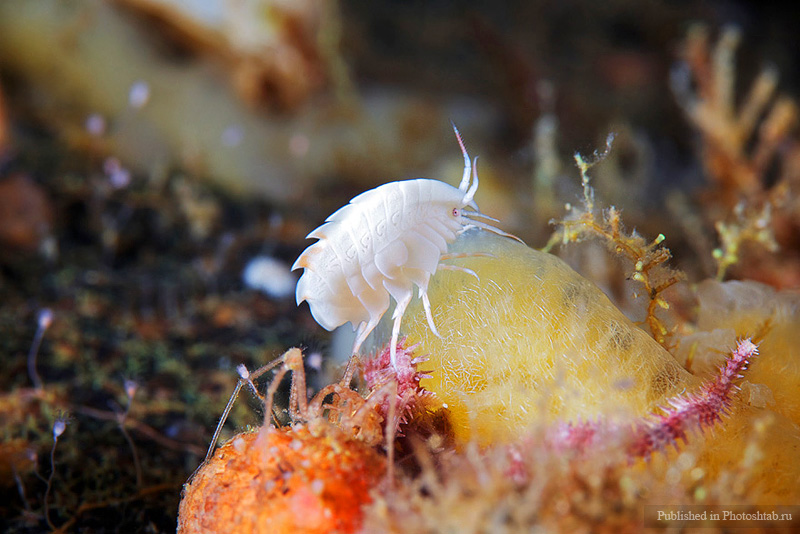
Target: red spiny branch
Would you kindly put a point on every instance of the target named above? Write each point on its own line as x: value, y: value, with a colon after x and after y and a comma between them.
x: 682, y: 414
x: 696, y: 411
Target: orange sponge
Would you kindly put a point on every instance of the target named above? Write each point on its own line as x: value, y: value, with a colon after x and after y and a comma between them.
x: 283, y: 480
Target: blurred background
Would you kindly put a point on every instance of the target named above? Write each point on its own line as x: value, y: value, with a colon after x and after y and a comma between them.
x: 161, y: 162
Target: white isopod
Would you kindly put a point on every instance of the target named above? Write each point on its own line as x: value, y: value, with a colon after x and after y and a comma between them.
x: 381, y: 244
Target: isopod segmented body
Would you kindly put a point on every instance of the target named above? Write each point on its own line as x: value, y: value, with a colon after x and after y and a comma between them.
x: 383, y: 243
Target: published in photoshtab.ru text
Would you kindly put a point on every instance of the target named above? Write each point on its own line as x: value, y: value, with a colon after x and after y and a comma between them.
x: 670, y: 516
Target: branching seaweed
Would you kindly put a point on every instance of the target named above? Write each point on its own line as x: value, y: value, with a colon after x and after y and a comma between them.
x: 749, y: 151
x: 738, y: 145
x: 749, y: 226
x: 647, y: 258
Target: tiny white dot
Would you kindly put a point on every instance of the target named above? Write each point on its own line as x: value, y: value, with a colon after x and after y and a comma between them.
x: 96, y: 124
x: 139, y: 94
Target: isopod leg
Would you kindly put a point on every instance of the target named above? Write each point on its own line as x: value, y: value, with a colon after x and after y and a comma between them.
x: 460, y: 269
x: 399, y: 310
x: 455, y: 255
x: 360, y: 336
x: 426, y: 303
x: 364, y: 330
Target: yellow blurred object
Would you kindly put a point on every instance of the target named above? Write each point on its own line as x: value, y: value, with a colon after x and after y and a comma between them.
x: 756, y: 450
x: 533, y: 341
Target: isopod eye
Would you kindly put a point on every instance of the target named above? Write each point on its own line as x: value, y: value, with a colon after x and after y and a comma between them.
x: 455, y: 212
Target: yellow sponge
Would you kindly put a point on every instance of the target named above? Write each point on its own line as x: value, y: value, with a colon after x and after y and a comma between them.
x: 533, y: 341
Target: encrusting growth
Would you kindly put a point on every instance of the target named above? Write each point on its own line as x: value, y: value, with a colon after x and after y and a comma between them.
x: 311, y: 476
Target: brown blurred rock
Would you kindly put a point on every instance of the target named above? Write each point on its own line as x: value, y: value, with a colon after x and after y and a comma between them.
x: 26, y: 214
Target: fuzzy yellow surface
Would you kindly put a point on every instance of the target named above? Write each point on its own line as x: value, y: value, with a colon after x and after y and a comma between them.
x: 533, y: 341
x: 757, y: 451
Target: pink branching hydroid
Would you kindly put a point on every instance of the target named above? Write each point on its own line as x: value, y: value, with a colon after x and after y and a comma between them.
x: 681, y: 415
x: 577, y: 435
x: 695, y: 411
x: 379, y: 371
